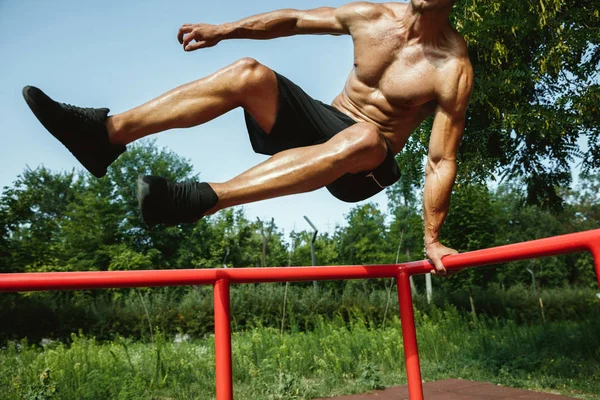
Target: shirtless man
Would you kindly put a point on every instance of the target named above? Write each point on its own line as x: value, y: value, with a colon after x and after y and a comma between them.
x: 408, y: 63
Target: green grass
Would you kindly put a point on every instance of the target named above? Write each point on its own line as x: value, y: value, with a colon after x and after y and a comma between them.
x: 334, y: 358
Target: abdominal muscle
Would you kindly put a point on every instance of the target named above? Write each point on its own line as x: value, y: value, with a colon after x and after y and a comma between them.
x: 366, y: 104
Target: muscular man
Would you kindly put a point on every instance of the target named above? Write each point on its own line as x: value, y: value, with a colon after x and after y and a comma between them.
x: 408, y: 63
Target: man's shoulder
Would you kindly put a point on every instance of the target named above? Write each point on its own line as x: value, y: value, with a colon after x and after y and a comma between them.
x: 454, y: 81
x: 457, y: 53
x: 460, y: 45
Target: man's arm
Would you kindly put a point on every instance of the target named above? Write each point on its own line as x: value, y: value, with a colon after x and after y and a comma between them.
x: 275, y: 24
x: 440, y: 172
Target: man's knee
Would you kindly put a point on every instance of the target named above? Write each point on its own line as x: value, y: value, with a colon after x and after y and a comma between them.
x: 251, y: 74
x: 246, y: 64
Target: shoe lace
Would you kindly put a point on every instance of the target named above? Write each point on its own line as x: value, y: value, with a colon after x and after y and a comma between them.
x: 87, y: 114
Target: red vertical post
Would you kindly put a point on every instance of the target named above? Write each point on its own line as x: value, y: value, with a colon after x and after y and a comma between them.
x: 223, y: 340
x: 409, y: 333
x: 596, y: 253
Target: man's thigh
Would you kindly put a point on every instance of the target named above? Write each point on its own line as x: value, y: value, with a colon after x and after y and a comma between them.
x: 300, y: 121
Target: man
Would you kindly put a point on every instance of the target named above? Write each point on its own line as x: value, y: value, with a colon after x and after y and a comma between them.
x: 409, y: 62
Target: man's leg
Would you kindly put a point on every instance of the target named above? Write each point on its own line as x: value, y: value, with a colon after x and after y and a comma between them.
x: 358, y: 148
x: 97, y: 141
x: 245, y: 83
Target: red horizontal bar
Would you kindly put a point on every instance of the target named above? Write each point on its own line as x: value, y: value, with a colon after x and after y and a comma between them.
x: 576, y: 242
x: 552, y: 246
x: 121, y: 279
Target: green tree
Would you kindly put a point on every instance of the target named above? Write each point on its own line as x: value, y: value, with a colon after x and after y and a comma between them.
x: 534, y: 62
x: 516, y: 221
x: 536, y: 66
x: 145, y: 158
x: 92, y: 224
x: 67, y: 221
x: 5, y: 242
x: 243, y: 240
x: 363, y: 240
x: 582, y: 213
x: 406, y: 230
x: 325, y: 249
x: 471, y: 225
x: 103, y: 222
x: 33, y: 211
x: 585, y: 201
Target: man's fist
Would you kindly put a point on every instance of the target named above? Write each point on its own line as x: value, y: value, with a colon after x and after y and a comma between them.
x: 204, y: 35
x: 435, y: 252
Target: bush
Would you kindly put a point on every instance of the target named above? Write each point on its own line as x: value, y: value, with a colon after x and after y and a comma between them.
x: 135, y: 313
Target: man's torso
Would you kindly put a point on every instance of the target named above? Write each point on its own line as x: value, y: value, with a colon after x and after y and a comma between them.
x: 393, y: 83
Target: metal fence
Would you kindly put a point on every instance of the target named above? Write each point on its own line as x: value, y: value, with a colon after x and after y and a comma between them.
x: 222, y: 279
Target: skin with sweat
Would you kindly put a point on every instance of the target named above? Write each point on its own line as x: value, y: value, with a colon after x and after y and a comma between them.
x: 408, y: 63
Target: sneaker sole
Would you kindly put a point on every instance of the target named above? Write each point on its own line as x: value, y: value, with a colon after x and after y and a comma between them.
x: 143, y: 191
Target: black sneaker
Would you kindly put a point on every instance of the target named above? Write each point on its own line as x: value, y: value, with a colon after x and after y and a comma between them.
x: 81, y: 130
x: 164, y: 202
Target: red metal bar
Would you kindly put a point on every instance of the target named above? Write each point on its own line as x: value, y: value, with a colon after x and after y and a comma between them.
x: 576, y: 242
x: 409, y: 335
x: 223, y: 340
x: 121, y: 279
x: 571, y: 243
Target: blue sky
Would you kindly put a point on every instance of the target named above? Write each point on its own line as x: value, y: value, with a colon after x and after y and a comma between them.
x: 119, y: 54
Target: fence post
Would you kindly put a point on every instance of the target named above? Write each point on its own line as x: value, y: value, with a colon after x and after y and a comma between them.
x: 223, y: 340
x: 409, y: 333
x: 595, y: 250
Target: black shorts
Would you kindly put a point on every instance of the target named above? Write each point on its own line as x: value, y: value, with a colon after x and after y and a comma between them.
x: 303, y: 121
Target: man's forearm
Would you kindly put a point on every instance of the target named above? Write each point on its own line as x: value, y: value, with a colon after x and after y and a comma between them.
x: 439, y: 180
x: 269, y: 25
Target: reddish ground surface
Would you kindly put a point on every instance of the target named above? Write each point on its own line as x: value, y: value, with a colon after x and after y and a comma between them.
x: 456, y: 389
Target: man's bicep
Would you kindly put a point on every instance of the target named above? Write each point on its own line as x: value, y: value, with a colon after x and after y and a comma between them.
x: 334, y: 20
x: 320, y: 20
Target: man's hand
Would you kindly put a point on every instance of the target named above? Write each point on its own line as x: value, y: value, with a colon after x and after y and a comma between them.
x: 435, y: 252
x: 204, y: 35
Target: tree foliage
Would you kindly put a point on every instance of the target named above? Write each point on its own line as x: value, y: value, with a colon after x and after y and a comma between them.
x: 536, y: 94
